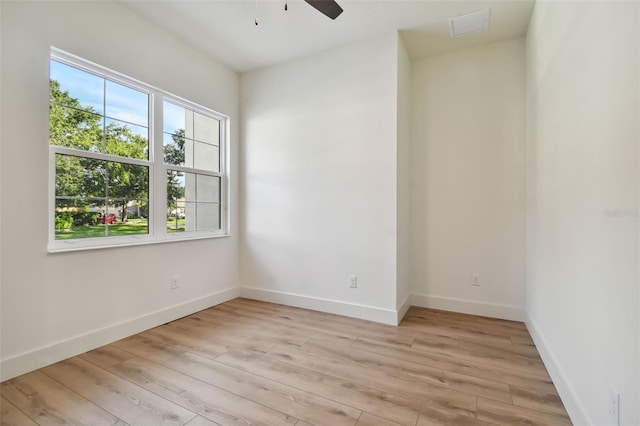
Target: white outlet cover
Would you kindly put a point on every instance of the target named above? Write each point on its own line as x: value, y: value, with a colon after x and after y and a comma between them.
x: 475, y: 279
x: 353, y: 281
x: 614, y: 406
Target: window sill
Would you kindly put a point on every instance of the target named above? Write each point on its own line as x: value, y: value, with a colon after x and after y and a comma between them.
x: 63, y: 246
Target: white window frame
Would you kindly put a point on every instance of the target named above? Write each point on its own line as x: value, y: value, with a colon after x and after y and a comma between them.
x: 157, y: 217
x: 159, y: 146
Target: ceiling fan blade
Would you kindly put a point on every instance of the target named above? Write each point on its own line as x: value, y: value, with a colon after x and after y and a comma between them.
x: 327, y: 7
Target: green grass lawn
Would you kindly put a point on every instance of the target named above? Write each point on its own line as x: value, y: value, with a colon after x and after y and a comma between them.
x: 174, y: 225
x: 131, y: 227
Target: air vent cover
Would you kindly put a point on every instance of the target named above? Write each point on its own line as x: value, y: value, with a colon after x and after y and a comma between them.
x: 469, y: 23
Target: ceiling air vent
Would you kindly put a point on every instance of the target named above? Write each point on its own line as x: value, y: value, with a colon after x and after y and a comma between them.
x: 469, y: 23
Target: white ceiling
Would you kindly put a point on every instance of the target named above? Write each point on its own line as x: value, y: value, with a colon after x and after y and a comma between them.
x: 226, y: 29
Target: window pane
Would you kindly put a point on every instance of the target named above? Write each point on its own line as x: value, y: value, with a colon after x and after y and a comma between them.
x: 126, y: 104
x: 178, y: 135
x: 190, y: 187
x: 206, y: 157
x: 128, y: 189
x: 173, y: 118
x: 191, y: 139
x: 208, y: 188
x: 175, y: 201
x: 188, y: 153
x: 126, y: 140
x: 76, y: 114
x: 96, y: 198
x: 69, y: 171
x: 207, y: 216
x: 79, y: 221
x: 192, y: 202
x: 175, y: 186
x: 128, y: 128
x: 206, y: 129
x: 176, y: 148
x: 80, y: 178
x: 75, y: 128
x: 76, y: 88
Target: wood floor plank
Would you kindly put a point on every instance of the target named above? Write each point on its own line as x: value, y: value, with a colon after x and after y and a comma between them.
x: 438, y: 416
x: 538, y: 401
x: 205, y: 330
x: 366, y: 329
x: 149, y: 346
x: 517, y: 351
x: 465, y: 325
x: 129, y: 402
x: 50, y: 403
x: 311, y: 330
x: 337, y: 323
x: 355, y: 366
x: 206, y: 400
x: 106, y: 356
x: 472, y: 321
x: 368, y: 419
x: 522, y: 340
x: 297, y: 403
x: 507, y: 346
x: 409, y: 379
x: 10, y: 415
x: 432, y: 328
x: 489, y: 372
x: 482, y: 355
x: 201, y: 421
x: 251, y: 328
x: 383, y: 404
x: 509, y: 415
x: 182, y: 342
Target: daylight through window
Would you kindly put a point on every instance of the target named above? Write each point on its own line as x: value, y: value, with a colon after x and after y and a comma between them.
x: 104, y: 161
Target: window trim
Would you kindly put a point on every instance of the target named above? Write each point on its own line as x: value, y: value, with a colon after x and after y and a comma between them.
x: 157, y: 232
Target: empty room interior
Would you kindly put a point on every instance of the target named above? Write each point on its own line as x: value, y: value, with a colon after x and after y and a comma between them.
x: 415, y: 212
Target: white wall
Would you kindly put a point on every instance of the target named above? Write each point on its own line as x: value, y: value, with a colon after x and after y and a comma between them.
x: 55, y: 305
x: 468, y: 180
x: 319, y: 180
x: 582, y: 258
x: 403, y: 219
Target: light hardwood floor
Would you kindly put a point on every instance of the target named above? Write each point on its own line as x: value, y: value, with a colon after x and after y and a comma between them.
x: 248, y: 362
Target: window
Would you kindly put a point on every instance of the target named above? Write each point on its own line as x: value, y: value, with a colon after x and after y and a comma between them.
x: 129, y: 163
x: 192, y: 153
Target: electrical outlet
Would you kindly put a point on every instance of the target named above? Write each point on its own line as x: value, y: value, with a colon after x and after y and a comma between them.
x: 175, y: 283
x: 353, y: 281
x: 475, y: 279
x: 614, y: 406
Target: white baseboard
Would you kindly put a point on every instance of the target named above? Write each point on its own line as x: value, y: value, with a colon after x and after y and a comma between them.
x: 512, y: 313
x: 567, y: 393
x: 32, y: 360
x: 403, y: 308
x: 371, y: 313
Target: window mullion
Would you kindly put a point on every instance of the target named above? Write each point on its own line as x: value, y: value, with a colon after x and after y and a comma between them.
x: 104, y: 118
x: 99, y: 156
x: 52, y: 192
x: 159, y: 187
x: 192, y: 170
x: 224, y: 169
